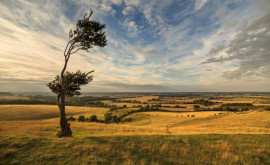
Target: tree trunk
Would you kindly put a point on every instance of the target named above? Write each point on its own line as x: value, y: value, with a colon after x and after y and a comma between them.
x: 65, y: 126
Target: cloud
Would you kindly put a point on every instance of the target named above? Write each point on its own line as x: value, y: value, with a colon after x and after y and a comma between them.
x: 250, y: 48
x: 128, y: 10
x: 199, y: 4
x: 117, y: 2
x: 133, y: 29
x: 220, y: 12
x: 132, y: 2
x: 152, y: 45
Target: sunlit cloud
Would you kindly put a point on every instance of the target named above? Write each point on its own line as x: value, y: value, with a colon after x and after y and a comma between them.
x: 155, y: 45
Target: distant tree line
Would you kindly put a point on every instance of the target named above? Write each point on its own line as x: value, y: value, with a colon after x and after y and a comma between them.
x: 127, y: 101
x: 89, y: 101
x: 201, y: 101
x: 233, y: 107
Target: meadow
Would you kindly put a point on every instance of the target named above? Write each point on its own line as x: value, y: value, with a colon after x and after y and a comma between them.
x: 28, y: 136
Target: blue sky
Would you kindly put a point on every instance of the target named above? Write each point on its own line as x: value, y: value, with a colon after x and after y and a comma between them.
x: 153, y: 46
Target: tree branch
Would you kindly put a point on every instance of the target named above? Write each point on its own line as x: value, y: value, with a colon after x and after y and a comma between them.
x: 75, y: 51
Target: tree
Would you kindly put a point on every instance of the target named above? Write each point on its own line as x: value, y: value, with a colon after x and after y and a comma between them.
x: 93, y: 118
x: 196, y: 107
x: 88, y: 33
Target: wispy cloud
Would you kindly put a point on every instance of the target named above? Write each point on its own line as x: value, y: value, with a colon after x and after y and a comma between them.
x: 152, y: 45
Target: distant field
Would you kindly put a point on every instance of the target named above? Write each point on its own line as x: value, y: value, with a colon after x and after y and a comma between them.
x: 142, y: 99
x: 13, y: 97
x: 256, y: 122
x: 37, y: 112
x: 122, y: 104
x: 28, y: 135
x: 178, y: 109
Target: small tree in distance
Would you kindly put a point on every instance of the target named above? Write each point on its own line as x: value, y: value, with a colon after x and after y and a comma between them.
x: 88, y: 33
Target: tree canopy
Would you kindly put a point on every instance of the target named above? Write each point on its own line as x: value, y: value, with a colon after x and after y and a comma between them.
x: 73, y: 83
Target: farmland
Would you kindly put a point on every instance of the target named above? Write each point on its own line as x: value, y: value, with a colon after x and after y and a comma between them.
x: 157, y: 130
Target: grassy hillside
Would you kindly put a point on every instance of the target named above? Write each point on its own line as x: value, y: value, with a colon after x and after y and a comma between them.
x: 184, y: 149
x: 28, y: 136
x: 255, y: 122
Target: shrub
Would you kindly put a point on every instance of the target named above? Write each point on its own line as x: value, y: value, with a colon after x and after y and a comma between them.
x: 192, y: 115
x: 108, y: 117
x: 93, y: 118
x: 113, y: 108
x: 71, y: 118
x: 267, y: 108
x: 196, y: 107
x: 81, y: 118
x: 124, y: 106
x: 203, y: 102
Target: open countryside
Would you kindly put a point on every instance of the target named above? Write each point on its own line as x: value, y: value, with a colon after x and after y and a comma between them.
x: 135, y: 82
x: 159, y: 136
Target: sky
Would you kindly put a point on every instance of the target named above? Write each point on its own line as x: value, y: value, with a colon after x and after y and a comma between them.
x: 152, y: 46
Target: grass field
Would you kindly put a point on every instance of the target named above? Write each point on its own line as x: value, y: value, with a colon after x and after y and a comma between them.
x: 37, y: 112
x: 155, y: 149
x: 28, y: 136
x: 142, y: 98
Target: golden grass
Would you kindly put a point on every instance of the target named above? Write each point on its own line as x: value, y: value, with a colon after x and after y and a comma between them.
x: 142, y: 98
x: 178, y: 109
x: 36, y: 112
x: 145, y: 123
x: 233, y: 101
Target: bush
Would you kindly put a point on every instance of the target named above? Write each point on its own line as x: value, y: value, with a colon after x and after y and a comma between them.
x: 203, y: 102
x: 108, y: 117
x: 93, y: 118
x: 196, y: 107
x: 113, y: 108
x: 267, y: 108
x: 71, y: 118
x: 81, y: 118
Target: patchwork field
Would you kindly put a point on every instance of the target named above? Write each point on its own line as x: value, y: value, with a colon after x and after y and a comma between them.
x: 28, y: 135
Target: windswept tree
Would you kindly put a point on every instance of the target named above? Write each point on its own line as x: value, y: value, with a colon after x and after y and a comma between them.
x: 88, y: 33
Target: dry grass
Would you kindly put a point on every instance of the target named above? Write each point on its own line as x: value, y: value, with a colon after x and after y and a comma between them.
x: 142, y: 98
x: 37, y: 112
x: 141, y: 141
x: 145, y: 123
x: 178, y: 109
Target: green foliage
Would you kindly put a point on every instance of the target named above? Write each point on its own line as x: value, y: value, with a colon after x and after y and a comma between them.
x: 81, y: 118
x: 203, y: 102
x: 267, y: 108
x: 107, y: 117
x: 196, y: 107
x: 73, y: 83
x: 113, y: 108
x: 90, y: 101
x: 177, y: 106
x: 71, y: 118
x: 237, y: 104
x: 88, y: 33
x: 93, y: 118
